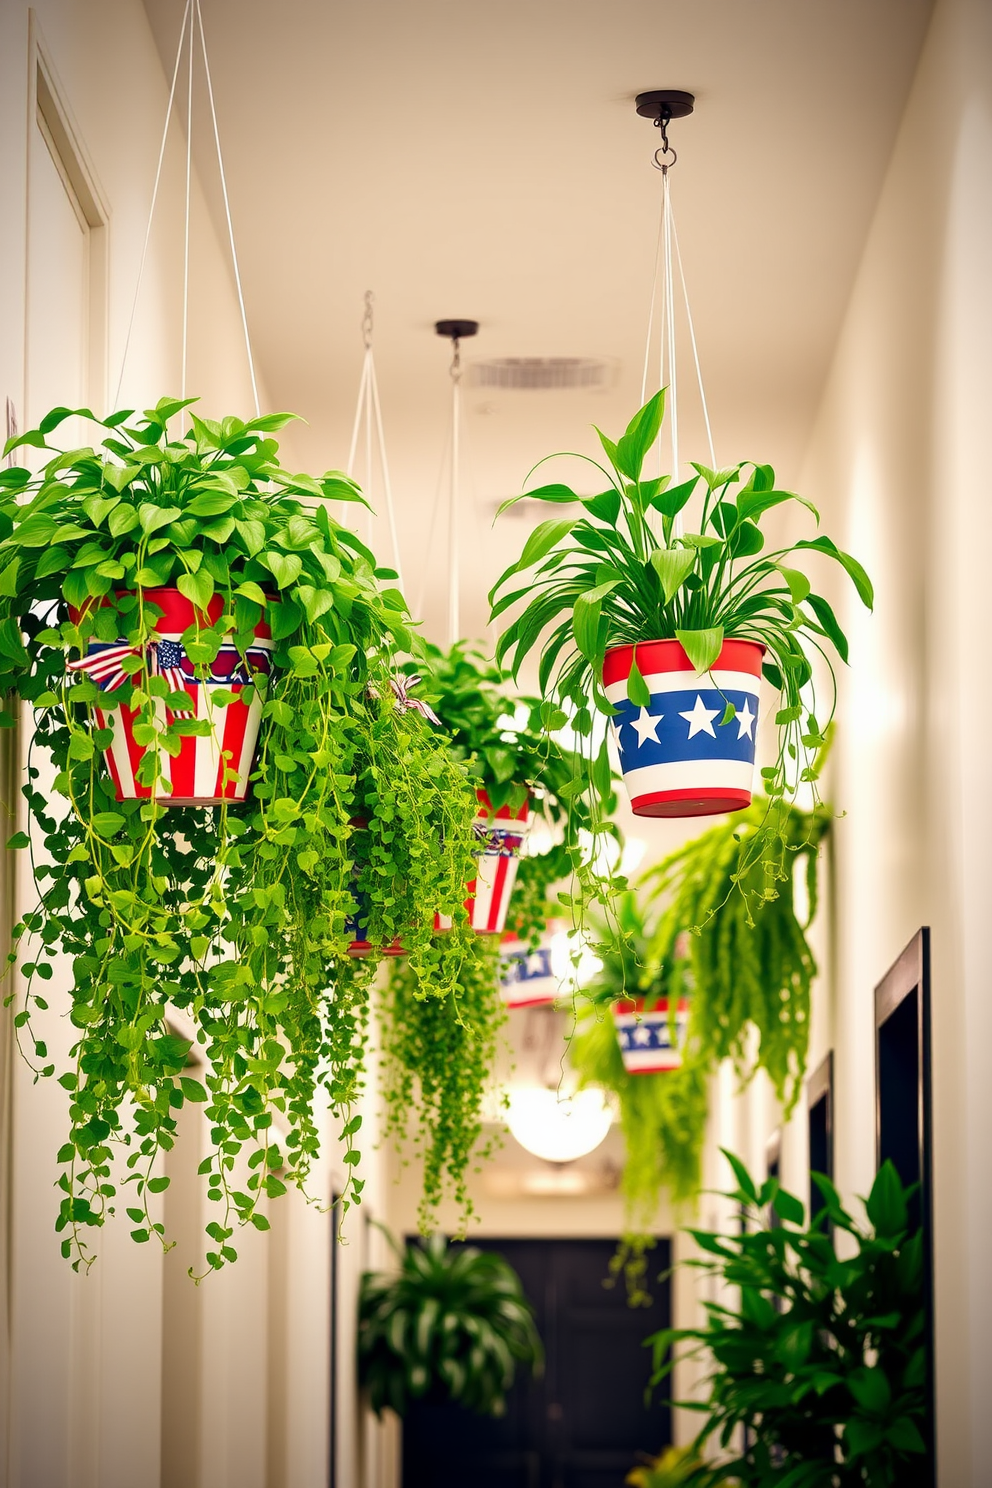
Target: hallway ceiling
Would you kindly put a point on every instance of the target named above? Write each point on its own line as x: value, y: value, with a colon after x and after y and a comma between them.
x: 485, y: 160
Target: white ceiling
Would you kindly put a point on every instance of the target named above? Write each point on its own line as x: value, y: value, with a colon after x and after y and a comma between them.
x: 485, y: 160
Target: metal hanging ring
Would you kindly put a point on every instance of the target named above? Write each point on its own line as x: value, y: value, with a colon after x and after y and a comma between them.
x: 659, y: 162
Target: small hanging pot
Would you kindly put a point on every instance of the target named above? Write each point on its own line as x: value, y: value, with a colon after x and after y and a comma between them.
x: 356, y: 924
x: 645, y: 1037
x: 500, y: 834
x: 211, y: 769
x: 526, y: 976
x: 678, y: 757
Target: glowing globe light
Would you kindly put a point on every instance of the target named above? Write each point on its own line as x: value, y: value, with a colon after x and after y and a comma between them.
x: 558, y: 1128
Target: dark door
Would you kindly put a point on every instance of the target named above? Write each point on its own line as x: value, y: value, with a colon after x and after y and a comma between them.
x: 583, y: 1424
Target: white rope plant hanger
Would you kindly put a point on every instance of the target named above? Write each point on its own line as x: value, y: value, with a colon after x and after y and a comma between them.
x: 368, y: 421
x: 192, y: 26
x: 668, y: 259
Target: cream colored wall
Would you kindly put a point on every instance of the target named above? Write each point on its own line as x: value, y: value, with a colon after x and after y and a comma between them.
x: 131, y: 1377
x: 899, y: 466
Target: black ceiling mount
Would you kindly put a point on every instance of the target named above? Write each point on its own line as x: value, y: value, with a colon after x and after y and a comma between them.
x: 665, y: 103
x: 456, y: 330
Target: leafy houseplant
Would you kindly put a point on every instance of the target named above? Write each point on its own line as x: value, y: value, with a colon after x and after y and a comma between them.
x: 237, y: 917
x: 678, y: 1467
x: 823, y: 1360
x: 744, y: 965
x: 710, y: 601
x: 454, y: 1324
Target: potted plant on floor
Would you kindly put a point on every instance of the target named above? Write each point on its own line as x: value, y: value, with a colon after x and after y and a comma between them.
x: 236, y: 916
x: 818, y: 1362
x: 667, y: 633
x: 454, y: 1324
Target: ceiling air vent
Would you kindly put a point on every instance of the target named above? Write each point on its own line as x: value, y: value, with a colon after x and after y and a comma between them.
x: 530, y: 373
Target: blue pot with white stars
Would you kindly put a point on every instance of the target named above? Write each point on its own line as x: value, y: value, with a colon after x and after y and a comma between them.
x: 648, y: 1043
x: 683, y: 755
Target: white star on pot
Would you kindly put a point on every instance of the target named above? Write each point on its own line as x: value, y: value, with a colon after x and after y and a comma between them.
x: 645, y: 726
x: 700, y: 719
x: 745, y: 721
x: 642, y: 1034
x: 616, y: 727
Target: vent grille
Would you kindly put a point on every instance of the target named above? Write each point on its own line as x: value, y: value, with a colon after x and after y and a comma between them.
x: 528, y: 374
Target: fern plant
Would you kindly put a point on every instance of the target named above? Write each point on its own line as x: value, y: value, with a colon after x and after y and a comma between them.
x: 454, y: 1324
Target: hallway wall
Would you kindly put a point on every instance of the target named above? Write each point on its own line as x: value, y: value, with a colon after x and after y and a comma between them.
x: 899, y: 466
x: 132, y: 1377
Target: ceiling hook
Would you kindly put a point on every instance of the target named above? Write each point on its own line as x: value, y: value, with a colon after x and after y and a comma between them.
x: 661, y: 106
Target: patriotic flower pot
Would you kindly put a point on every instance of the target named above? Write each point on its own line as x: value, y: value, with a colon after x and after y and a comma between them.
x: 526, y: 976
x: 500, y: 835
x: 201, y: 774
x: 677, y: 757
x: 357, y: 921
x: 645, y: 1038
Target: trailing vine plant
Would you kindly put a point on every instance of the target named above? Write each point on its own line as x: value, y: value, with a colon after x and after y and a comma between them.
x: 236, y: 916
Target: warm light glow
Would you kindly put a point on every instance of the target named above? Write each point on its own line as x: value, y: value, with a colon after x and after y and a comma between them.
x: 558, y: 1128
x: 564, y: 945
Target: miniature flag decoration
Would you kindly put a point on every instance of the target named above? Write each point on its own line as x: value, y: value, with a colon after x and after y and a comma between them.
x: 526, y: 977
x: 501, y: 836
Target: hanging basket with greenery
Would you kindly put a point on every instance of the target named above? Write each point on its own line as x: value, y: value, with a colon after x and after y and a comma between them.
x: 236, y: 916
x: 666, y: 633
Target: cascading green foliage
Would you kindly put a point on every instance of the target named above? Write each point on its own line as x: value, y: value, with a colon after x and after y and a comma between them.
x: 454, y: 1324
x: 746, y: 962
x: 608, y: 578
x: 818, y: 1363
x: 662, y: 1116
x: 235, y: 917
x: 438, y: 1058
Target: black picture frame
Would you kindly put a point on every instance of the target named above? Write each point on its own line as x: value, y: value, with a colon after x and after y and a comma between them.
x: 904, y: 1117
x: 820, y: 1126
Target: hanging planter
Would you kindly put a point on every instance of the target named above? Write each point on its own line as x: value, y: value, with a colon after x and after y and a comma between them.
x: 527, y: 977
x: 138, y: 616
x: 645, y: 1034
x: 500, y: 832
x: 680, y: 753
x: 211, y: 767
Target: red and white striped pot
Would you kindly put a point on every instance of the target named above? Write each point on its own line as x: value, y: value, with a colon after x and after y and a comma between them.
x: 526, y: 976
x: 197, y: 773
x: 500, y: 834
x: 357, y: 922
x: 645, y: 1038
x: 677, y: 757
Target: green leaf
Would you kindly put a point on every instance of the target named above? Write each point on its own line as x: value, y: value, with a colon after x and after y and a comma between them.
x: 851, y: 566
x: 192, y: 1089
x: 788, y: 1207
x: 585, y: 625
x: 870, y: 1389
x: 122, y: 519
x: 8, y: 576
x: 544, y: 537
x: 673, y: 566
x: 36, y: 531
x: 828, y: 620
x: 637, y: 688
x: 106, y: 823
x: 285, y: 568
x: 798, y: 582
x: 605, y: 506
x: 640, y: 435
x: 80, y: 746
x: 672, y: 499
x: 197, y: 587
x: 701, y: 646
x: 19, y: 840
x: 153, y: 517
x: 886, y: 1206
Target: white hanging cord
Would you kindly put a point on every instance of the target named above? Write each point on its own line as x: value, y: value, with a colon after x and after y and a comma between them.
x: 227, y: 212
x: 387, y: 489
x: 435, y: 509
x: 359, y: 411
x: 673, y: 386
x: 151, y: 209
x: 654, y: 297
x: 454, y: 577
x: 189, y: 168
x: 695, y: 349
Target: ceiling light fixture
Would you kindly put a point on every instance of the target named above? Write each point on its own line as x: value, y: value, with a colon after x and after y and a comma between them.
x: 558, y: 1127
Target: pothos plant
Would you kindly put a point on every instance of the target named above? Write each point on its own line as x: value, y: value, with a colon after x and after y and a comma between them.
x: 236, y: 916
x: 439, y: 1053
x: 623, y: 571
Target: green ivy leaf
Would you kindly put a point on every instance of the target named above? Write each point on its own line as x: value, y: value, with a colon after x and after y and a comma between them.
x: 701, y: 646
